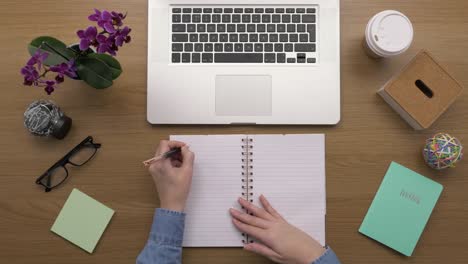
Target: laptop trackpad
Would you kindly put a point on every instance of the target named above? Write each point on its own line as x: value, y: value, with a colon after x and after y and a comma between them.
x: 243, y: 95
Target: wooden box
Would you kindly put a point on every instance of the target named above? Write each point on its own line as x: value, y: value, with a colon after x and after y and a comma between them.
x: 421, y: 92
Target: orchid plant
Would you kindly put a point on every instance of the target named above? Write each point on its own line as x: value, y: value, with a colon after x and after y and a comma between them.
x: 92, y: 61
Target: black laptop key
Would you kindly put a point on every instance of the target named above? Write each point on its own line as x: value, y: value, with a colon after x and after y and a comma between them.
x: 186, y: 18
x: 253, y: 37
x: 259, y: 10
x: 207, y: 10
x: 268, y: 47
x: 206, y: 18
x: 238, y: 10
x: 276, y: 18
x: 279, y: 10
x: 193, y: 37
x: 290, y: 10
x: 288, y: 47
x: 293, y: 37
x: 269, y: 10
x: 221, y: 28
x: 308, y: 18
x: 179, y: 37
x: 304, y: 37
x: 218, y: 10
x: 187, y: 10
x: 176, y: 19
x: 228, y: 47
x: 233, y: 37
x: 270, y: 57
x: 291, y: 60
x: 175, y: 57
x: 223, y: 37
x: 280, y: 57
x: 198, y: 47
x: 211, y: 28
x: 311, y: 30
x: 281, y: 28
x: 185, y: 57
x: 244, y: 38
x: 197, y: 10
x: 213, y: 37
x: 228, y: 10
x: 238, y: 47
x: 178, y: 27
x: 177, y: 47
x: 266, y: 18
x: 208, y: 47
x: 310, y: 10
x: 176, y: 10
x: 207, y: 57
x: 248, y: 47
x: 236, y: 18
x: 231, y: 28
x: 201, y: 28
x: 203, y: 37
x: 256, y: 18
x: 248, y: 10
x: 188, y: 47
x: 286, y: 18
x: 284, y: 37
x: 191, y: 28
x: 250, y: 27
x: 218, y: 47
x: 278, y: 47
x: 291, y: 28
x: 238, y: 57
x: 300, y: 10
x: 226, y: 18
x: 216, y: 18
x: 245, y: 18
x: 301, y: 28
x: 263, y: 37
x: 240, y: 28
x: 296, y: 18
x: 273, y: 37
x: 271, y: 28
x: 311, y: 60
x: 302, y: 47
x: 261, y: 28
x: 258, y: 47
x: 196, y: 18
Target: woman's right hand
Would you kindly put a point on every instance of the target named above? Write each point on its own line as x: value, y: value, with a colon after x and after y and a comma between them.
x: 280, y: 241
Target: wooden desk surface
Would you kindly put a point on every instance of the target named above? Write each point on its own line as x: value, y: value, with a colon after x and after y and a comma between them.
x: 359, y: 149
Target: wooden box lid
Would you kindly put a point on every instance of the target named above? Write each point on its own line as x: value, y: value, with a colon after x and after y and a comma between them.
x: 424, y: 89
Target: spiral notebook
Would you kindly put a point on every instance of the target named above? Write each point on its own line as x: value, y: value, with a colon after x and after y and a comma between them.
x: 288, y: 169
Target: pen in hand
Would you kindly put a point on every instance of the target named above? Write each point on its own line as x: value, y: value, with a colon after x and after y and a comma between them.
x: 166, y: 155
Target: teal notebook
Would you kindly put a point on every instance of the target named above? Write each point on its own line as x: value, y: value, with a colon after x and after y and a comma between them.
x: 82, y: 220
x: 401, y: 209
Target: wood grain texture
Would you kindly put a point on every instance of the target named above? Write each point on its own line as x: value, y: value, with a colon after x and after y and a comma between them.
x: 359, y: 149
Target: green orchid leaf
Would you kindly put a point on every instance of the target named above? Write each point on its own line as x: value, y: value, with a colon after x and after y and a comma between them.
x: 57, y: 50
x: 94, y: 72
x: 113, y: 64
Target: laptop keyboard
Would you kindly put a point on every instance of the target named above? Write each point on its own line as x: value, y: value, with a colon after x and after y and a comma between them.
x: 275, y: 35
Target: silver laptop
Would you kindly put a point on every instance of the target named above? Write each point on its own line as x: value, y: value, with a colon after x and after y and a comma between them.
x: 243, y: 62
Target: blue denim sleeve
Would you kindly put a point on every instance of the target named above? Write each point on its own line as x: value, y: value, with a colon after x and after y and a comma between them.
x: 329, y: 257
x: 164, y: 245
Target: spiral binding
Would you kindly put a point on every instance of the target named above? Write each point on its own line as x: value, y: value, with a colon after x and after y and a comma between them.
x: 247, y: 176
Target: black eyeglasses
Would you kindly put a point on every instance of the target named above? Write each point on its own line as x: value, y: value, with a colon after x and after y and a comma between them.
x: 78, y: 156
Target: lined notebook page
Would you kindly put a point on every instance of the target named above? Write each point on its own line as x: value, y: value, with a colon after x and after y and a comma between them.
x: 216, y: 185
x: 290, y: 171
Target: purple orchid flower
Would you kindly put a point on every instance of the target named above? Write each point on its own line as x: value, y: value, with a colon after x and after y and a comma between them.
x: 122, y: 36
x: 64, y: 69
x: 87, y: 37
x: 30, y: 75
x: 49, y: 86
x: 38, y: 58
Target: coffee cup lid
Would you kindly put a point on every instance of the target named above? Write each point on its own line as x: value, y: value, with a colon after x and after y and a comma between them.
x: 391, y: 32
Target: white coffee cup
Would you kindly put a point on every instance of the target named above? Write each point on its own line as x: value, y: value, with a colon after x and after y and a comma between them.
x: 388, y: 34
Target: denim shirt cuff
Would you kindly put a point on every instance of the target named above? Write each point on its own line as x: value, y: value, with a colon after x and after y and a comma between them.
x: 168, y: 227
x: 328, y: 257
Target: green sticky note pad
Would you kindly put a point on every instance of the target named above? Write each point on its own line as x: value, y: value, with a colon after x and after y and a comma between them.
x: 82, y: 220
x: 401, y: 209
